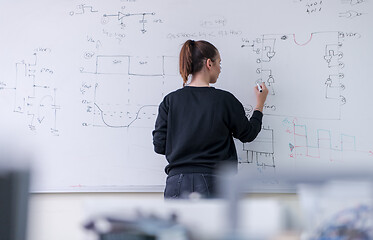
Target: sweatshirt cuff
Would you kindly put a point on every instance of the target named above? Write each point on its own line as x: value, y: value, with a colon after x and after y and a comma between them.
x: 257, y: 115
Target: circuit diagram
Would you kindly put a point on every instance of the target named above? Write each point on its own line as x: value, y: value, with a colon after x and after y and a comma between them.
x: 34, y: 93
x: 261, y: 151
x: 275, y: 51
x: 121, y: 17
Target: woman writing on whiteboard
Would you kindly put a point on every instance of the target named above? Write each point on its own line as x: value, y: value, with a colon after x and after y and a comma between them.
x: 196, y: 124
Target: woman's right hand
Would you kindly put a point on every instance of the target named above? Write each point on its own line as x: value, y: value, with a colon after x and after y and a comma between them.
x: 260, y: 96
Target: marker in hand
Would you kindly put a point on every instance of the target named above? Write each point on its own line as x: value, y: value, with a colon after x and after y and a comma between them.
x: 259, y: 87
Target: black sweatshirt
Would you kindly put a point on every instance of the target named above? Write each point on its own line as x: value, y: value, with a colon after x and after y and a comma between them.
x: 195, y: 129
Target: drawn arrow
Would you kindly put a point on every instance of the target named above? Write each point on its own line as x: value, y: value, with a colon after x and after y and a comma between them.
x: 291, y: 146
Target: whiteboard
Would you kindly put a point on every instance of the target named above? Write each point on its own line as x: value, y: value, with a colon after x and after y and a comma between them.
x: 82, y: 81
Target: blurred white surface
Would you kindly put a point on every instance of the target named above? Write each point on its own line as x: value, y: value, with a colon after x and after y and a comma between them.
x: 62, y: 216
x: 337, y: 209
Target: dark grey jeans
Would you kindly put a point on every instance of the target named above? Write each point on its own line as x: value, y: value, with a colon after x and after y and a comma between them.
x: 181, y: 185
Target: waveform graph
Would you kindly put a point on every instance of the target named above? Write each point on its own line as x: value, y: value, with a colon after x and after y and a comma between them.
x: 146, y: 66
x: 171, y: 79
x: 146, y: 80
x: 113, y: 107
x: 145, y: 90
x: 112, y: 64
x: 128, y: 89
x: 125, y: 116
x: 323, y: 144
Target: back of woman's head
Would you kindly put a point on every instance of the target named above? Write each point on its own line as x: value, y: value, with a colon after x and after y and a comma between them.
x: 193, y: 55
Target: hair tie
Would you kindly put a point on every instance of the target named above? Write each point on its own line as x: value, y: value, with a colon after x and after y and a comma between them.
x: 192, y: 42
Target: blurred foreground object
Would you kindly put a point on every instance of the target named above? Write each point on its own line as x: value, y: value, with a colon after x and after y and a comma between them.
x: 14, y: 192
x: 338, y: 210
x: 141, y: 228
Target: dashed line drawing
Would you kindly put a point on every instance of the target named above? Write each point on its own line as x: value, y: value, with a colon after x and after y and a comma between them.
x: 82, y: 9
x: 34, y: 97
x: 261, y: 151
x: 119, y: 115
x: 325, y: 86
x: 121, y: 16
x: 142, y: 112
x: 119, y: 100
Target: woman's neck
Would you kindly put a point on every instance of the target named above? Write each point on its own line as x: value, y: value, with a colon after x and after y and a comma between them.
x: 199, y: 80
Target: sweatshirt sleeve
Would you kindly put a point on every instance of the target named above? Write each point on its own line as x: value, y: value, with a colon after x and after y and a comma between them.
x: 242, y: 128
x: 160, y: 131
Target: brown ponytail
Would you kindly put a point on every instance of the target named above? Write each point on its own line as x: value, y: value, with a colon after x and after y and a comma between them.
x: 192, y: 56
